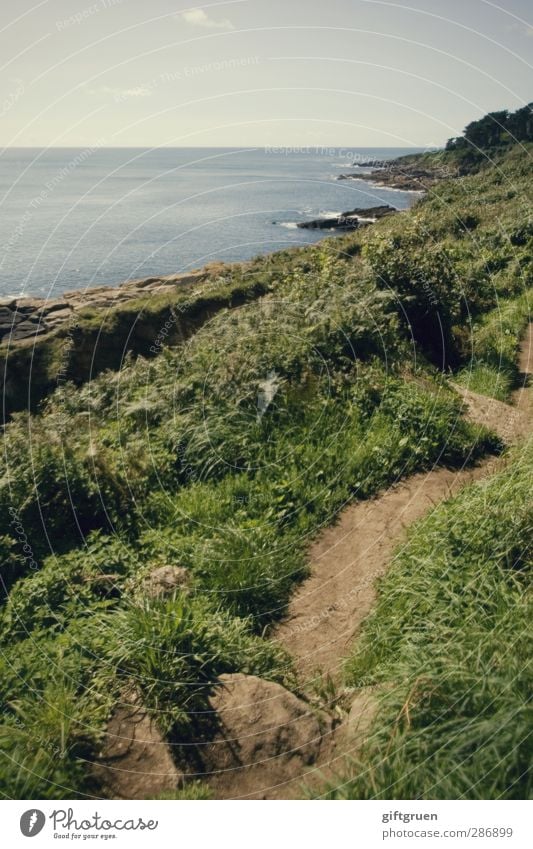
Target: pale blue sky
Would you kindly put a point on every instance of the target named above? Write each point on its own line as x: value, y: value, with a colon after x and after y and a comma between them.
x: 258, y: 72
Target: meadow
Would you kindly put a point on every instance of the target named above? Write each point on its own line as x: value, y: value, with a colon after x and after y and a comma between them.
x: 226, y: 454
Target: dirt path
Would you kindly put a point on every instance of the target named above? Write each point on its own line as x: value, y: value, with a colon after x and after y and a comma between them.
x: 271, y: 742
x: 268, y: 753
x: 326, y: 613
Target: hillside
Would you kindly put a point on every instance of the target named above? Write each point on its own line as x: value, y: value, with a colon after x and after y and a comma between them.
x: 332, y: 374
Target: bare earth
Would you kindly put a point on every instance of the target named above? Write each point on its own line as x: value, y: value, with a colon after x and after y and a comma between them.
x: 271, y: 742
x: 326, y: 612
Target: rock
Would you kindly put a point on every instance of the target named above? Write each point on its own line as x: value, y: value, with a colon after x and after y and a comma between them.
x: 26, y: 329
x: 350, y: 220
x: 267, y: 736
x: 358, y: 721
x: 165, y: 580
x: 135, y: 762
x: 47, y: 315
x: 370, y: 163
x: 184, y: 279
x: 26, y: 306
x: 57, y: 316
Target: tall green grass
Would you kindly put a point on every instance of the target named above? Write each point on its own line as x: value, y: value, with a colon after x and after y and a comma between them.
x: 171, y: 462
x: 492, y: 369
x: 449, y: 643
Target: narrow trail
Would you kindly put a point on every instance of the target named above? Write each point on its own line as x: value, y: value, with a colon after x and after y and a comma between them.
x: 326, y: 612
x: 271, y: 743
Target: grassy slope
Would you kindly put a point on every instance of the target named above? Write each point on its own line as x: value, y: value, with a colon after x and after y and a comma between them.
x: 450, y: 639
x: 168, y: 461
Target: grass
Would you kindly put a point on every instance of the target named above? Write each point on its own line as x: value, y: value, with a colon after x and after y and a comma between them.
x: 492, y: 369
x: 449, y: 643
x: 172, y: 461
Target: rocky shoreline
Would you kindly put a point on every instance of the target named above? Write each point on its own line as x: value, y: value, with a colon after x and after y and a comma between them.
x: 401, y: 176
x: 74, y: 337
x: 25, y: 318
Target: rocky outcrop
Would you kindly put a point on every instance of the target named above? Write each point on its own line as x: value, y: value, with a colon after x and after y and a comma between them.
x: 404, y: 176
x: 371, y: 163
x: 73, y: 338
x: 25, y: 318
x: 351, y: 220
x: 265, y: 732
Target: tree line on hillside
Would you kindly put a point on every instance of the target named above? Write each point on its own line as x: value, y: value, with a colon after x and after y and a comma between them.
x: 496, y: 129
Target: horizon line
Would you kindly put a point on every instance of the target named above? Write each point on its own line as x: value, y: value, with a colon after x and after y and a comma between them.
x: 293, y: 147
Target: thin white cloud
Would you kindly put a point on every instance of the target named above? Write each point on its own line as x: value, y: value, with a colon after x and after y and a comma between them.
x: 200, y: 18
x: 522, y: 28
x: 123, y: 93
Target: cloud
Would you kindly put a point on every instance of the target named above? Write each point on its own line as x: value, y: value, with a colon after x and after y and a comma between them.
x: 522, y: 28
x: 123, y: 93
x: 199, y: 18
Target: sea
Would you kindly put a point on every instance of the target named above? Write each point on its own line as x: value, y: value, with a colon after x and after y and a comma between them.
x: 79, y: 218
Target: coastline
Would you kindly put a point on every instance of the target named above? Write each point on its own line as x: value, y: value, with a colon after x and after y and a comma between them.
x: 46, y: 342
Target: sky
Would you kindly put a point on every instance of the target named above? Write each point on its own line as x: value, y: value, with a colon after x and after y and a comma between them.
x: 289, y: 73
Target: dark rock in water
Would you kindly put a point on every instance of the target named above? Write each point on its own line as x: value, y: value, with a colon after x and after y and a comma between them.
x: 350, y: 220
x: 371, y: 163
x: 349, y: 177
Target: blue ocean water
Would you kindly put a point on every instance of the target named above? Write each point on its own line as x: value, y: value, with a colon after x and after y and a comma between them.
x: 77, y: 218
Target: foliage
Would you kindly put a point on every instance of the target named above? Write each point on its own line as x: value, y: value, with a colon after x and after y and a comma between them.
x: 497, y: 128
x: 448, y: 639
x: 186, y: 459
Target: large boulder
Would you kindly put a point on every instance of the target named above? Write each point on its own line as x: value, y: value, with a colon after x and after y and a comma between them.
x: 135, y: 762
x: 266, y: 738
